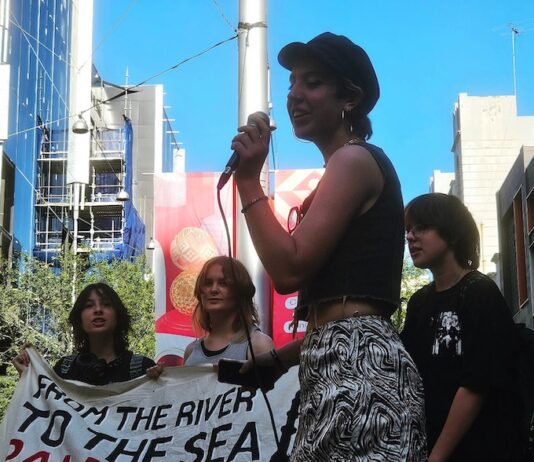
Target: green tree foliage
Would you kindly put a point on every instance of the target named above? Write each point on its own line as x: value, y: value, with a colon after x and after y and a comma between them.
x: 7, y: 387
x: 36, y: 298
x: 413, y: 279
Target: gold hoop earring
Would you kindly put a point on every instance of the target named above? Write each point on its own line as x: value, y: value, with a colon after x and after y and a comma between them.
x: 345, y: 115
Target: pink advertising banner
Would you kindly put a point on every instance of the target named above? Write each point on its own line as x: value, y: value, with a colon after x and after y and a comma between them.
x: 291, y: 188
x: 189, y: 230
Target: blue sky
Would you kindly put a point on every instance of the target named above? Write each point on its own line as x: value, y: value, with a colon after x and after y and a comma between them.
x: 425, y: 53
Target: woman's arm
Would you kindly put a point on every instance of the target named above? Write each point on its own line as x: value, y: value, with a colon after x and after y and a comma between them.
x: 464, y: 410
x: 261, y: 343
x: 351, y: 184
x: 289, y: 355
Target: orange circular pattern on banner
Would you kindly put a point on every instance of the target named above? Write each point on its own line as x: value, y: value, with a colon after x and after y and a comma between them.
x: 191, y: 248
x: 182, y: 292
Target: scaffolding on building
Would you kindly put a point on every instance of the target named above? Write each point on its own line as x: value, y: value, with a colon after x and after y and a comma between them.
x: 101, y: 219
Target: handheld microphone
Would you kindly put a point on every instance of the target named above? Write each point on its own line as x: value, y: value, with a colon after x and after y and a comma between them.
x: 233, y: 162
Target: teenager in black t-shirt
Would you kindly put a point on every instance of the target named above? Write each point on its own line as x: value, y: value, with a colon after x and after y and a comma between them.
x: 460, y: 333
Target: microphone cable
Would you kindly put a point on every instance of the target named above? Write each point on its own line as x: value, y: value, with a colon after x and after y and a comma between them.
x: 245, y: 326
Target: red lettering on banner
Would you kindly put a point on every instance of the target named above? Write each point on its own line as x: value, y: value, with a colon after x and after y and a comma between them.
x: 40, y: 456
x: 17, y: 447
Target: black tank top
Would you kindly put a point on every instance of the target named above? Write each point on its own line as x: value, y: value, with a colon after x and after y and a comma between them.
x: 367, y: 262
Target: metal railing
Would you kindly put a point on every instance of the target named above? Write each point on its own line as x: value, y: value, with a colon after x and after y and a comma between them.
x: 54, y: 150
x: 108, y: 144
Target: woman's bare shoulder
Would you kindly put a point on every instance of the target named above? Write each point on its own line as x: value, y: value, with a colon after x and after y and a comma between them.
x: 261, y: 342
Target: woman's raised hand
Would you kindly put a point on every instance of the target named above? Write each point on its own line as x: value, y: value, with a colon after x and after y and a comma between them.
x: 22, y: 360
x: 252, y: 145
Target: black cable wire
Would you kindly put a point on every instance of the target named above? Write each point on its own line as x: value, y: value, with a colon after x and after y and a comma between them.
x: 157, y: 74
x: 122, y: 93
x: 287, y: 431
x: 245, y: 326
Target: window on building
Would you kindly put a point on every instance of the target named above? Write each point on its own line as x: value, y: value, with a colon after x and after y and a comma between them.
x: 107, y: 232
x: 520, y: 258
x: 104, y: 187
x: 508, y: 251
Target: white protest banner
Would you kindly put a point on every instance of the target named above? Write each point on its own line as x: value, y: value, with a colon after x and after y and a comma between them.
x: 184, y: 416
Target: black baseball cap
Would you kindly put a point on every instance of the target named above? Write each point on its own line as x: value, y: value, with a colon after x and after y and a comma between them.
x: 344, y: 57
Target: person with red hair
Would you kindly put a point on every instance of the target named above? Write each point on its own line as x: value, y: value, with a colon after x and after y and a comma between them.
x: 225, y: 312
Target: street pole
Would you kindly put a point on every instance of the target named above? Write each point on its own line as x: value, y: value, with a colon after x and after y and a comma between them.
x: 5, y: 69
x: 253, y: 97
x: 79, y: 142
x: 515, y: 32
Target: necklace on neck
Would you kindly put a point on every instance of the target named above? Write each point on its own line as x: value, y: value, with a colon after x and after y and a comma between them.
x: 353, y: 141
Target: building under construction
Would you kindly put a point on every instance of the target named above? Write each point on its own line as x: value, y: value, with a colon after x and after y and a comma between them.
x: 78, y: 154
x: 131, y: 139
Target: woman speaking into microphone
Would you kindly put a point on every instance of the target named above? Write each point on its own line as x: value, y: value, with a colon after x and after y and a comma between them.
x: 361, y: 394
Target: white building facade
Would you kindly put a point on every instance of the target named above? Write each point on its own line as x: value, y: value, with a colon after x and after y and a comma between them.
x: 488, y: 135
x: 442, y: 182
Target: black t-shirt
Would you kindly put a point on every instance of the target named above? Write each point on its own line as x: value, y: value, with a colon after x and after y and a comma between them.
x: 470, y: 344
x: 86, y: 367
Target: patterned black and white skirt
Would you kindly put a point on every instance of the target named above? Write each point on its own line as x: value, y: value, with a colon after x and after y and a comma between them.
x: 361, y: 395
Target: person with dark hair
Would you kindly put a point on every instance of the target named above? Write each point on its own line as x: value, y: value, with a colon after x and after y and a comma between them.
x: 361, y: 394
x: 460, y: 333
x: 100, y: 325
x: 225, y: 308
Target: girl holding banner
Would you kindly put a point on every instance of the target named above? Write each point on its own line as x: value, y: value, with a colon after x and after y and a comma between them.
x: 100, y: 324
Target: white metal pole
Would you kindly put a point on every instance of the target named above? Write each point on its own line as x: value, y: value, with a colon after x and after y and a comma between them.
x: 79, y: 103
x: 253, y: 97
x: 4, y: 85
x: 515, y: 31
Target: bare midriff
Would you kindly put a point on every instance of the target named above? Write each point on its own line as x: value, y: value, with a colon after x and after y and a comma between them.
x: 335, y: 310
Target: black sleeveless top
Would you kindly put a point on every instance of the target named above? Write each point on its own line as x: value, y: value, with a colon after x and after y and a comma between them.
x: 367, y: 262
x: 86, y: 367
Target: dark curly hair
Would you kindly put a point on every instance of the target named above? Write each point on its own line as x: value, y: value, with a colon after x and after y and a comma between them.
x: 453, y: 222
x: 242, y: 287
x: 81, y: 340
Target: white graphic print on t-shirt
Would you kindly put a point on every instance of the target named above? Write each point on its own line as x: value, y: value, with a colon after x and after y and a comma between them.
x: 448, y: 336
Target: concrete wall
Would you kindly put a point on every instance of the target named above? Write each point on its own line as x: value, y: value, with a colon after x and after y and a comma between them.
x: 441, y: 182
x: 487, y: 141
x: 519, y: 182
